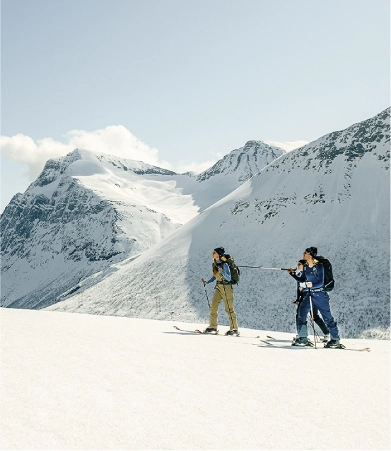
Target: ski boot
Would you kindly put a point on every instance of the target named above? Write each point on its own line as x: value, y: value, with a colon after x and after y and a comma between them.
x: 302, y: 341
x: 335, y: 344
x: 233, y: 332
x: 211, y: 330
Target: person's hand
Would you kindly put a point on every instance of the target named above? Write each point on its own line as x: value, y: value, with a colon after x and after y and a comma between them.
x: 290, y: 270
x: 220, y: 269
x: 203, y: 282
x: 309, y: 284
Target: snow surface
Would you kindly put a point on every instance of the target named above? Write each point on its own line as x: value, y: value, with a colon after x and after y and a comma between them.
x: 76, y: 381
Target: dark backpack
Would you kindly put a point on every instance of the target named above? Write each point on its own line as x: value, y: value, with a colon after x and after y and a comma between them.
x: 328, y: 272
x: 235, y: 271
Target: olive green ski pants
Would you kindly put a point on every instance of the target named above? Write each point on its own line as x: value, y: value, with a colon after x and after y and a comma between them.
x: 223, y: 292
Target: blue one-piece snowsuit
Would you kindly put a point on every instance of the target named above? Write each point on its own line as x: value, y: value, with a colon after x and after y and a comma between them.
x: 320, y: 299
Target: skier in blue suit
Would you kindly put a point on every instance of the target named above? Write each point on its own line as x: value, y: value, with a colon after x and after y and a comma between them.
x: 313, y: 276
x: 301, y: 291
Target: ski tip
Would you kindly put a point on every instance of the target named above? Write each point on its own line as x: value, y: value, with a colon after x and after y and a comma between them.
x: 266, y: 343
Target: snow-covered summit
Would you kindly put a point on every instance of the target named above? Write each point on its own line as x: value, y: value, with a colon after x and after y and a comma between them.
x: 83, y: 213
x: 244, y: 162
x: 90, y: 163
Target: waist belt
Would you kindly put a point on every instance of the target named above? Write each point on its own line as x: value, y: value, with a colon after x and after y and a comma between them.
x: 316, y: 290
x: 223, y: 283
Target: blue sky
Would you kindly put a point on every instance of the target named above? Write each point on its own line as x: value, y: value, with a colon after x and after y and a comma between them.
x: 187, y: 81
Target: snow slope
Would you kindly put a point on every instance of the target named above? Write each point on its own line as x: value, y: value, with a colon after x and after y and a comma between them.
x: 93, y: 382
x: 83, y: 213
x: 332, y: 193
x: 87, y: 211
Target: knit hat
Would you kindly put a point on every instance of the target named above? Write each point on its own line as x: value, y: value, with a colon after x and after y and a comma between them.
x: 313, y: 251
x: 220, y: 251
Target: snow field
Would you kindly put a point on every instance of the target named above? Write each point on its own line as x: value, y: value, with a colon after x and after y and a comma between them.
x: 76, y: 381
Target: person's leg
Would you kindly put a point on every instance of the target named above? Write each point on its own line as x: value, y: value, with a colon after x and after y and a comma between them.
x: 322, y: 301
x: 229, y: 306
x: 319, y: 321
x: 302, y: 313
x: 214, y: 308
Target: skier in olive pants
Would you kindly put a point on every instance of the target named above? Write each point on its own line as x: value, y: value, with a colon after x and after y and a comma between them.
x: 223, y: 292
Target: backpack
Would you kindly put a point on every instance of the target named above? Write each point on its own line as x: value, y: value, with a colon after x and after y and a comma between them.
x: 328, y: 272
x: 235, y: 271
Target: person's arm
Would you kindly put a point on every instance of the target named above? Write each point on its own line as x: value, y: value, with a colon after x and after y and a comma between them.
x: 212, y: 279
x: 299, y: 277
x: 226, y: 272
x: 298, y: 293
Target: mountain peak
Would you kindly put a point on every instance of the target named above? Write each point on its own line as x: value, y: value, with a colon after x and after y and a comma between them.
x: 245, y: 162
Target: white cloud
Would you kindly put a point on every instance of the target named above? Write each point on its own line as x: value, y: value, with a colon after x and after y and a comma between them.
x: 114, y: 140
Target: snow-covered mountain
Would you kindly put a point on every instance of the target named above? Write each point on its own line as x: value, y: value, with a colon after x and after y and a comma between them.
x: 332, y: 193
x: 232, y: 170
x: 86, y: 211
x: 244, y: 162
x: 83, y: 213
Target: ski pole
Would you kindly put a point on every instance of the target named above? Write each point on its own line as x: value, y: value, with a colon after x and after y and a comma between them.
x: 206, y: 294
x: 316, y: 335
x: 312, y: 319
x: 263, y: 267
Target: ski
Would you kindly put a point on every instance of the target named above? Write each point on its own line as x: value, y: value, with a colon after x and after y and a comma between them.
x: 199, y: 332
x: 196, y: 331
x: 344, y: 347
x: 266, y: 342
x: 352, y: 349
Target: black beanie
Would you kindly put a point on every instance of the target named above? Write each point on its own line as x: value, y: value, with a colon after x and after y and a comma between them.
x: 313, y: 251
x: 220, y: 251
